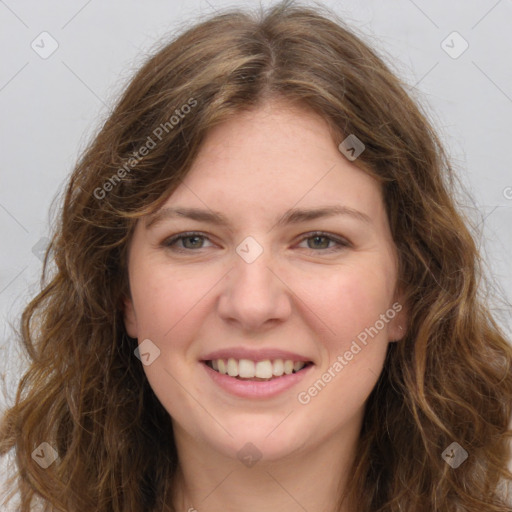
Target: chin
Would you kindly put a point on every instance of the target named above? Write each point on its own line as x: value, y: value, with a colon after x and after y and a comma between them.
x: 265, y: 440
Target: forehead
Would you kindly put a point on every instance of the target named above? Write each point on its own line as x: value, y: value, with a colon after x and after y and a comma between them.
x: 275, y: 164
x: 275, y: 152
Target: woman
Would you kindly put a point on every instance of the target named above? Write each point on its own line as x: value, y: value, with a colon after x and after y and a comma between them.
x: 264, y: 297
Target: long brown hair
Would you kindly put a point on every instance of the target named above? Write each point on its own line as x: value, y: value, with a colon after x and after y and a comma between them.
x: 85, y: 393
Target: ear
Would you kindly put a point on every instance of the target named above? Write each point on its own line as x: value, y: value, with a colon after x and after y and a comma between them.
x: 398, y: 324
x: 130, y: 318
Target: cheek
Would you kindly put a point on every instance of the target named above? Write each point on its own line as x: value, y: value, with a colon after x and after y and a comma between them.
x: 350, y: 299
x: 350, y: 303
x: 162, y: 298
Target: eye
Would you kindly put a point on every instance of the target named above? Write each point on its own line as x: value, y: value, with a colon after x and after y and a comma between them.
x: 189, y: 241
x: 321, y: 240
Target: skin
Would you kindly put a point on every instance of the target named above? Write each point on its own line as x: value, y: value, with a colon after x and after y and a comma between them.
x: 297, y: 295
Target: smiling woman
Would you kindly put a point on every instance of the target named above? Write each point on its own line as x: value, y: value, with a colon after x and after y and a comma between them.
x: 278, y: 309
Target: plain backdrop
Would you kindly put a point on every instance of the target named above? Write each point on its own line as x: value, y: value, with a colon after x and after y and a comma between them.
x: 51, y: 106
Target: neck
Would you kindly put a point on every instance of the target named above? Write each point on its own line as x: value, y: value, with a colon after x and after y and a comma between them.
x: 310, y: 480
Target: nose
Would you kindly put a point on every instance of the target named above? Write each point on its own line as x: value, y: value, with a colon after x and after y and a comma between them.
x: 255, y: 297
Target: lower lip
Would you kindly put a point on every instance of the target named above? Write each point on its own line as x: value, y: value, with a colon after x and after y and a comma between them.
x: 256, y: 389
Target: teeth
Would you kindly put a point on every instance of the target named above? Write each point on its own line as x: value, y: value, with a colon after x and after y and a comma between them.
x: 264, y: 369
x: 247, y: 369
x: 297, y: 366
x: 232, y: 367
x: 278, y: 368
x: 288, y: 367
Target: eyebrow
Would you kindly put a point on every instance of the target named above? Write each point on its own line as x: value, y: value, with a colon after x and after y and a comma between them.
x: 291, y: 216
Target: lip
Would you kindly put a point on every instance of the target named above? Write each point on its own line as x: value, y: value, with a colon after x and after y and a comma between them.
x: 256, y: 389
x: 254, y: 355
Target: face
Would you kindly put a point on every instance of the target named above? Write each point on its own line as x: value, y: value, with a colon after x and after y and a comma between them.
x: 265, y: 284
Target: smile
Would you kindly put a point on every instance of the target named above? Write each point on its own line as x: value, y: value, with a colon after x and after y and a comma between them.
x: 278, y: 376
x: 257, y: 371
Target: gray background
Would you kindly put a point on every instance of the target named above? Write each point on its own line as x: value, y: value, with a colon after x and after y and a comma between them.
x: 52, y: 106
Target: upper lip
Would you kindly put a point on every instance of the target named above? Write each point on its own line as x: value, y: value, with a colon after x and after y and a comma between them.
x: 254, y: 354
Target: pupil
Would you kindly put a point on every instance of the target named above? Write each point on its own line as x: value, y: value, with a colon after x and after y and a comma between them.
x: 192, y: 238
x: 318, y: 237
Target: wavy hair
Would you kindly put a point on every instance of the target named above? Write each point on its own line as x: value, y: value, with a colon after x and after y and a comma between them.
x: 449, y: 379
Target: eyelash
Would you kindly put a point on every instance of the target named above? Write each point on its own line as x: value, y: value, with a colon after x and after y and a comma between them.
x: 341, y: 243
